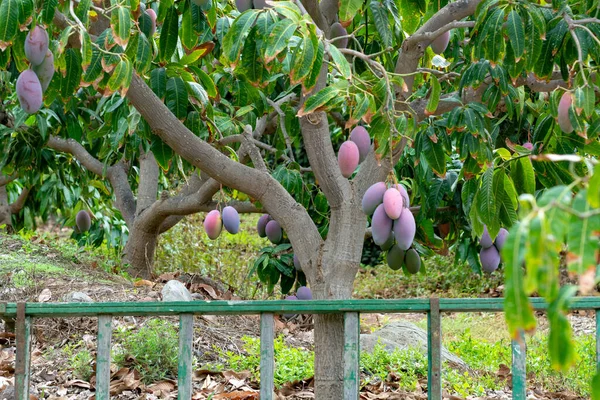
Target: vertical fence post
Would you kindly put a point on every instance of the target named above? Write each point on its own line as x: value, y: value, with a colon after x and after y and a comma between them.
x: 519, y: 378
x: 23, y: 361
x: 351, y: 355
x: 184, y: 363
x: 267, y: 356
x: 597, y: 340
x: 434, y: 351
x: 103, y: 357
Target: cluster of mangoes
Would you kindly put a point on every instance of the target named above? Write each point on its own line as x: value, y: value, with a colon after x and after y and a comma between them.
x: 393, y: 225
x: 490, y: 250
x: 354, y: 151
x: 33, y: 82
x: 269, y: 228
x: 215, y: 221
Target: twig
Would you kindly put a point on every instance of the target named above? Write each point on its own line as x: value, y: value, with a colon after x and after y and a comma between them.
x: 286, y: 136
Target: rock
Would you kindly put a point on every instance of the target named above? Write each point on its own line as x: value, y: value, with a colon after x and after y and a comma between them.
x: 175, y: 291
x: 403, y: 335
x: 8, y: 393
x: 152, y: 294
x: 197, y: 296
x: 78, y: 297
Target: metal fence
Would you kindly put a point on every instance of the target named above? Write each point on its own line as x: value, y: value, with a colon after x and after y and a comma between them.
x: 25, y: 312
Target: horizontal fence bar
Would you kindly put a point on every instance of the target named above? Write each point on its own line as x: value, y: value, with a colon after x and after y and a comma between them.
x: 50, y: 310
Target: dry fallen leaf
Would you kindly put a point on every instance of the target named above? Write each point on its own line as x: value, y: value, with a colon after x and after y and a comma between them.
x: 143, y: 282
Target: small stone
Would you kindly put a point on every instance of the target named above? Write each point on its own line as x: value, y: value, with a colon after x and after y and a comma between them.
x: 153, y: 294
x: 78, y: 297
x: 175, y: 291
x: 197, y: 296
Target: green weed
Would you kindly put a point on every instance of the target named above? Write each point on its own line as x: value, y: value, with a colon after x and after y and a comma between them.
x: 152, y: 350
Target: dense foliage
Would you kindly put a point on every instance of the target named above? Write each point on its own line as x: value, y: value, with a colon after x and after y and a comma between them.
x: 485, y: 110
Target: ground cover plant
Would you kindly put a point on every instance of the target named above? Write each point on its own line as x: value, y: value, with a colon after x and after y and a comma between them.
x: 415, y: 124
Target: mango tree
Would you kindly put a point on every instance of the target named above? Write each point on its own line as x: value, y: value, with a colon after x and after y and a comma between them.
x: 486, y: 109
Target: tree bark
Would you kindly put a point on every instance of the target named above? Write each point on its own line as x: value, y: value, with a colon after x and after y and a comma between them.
x: 139, y: 251
x: 5, y: 213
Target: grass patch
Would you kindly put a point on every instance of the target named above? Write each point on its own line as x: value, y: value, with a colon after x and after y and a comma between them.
x: 152, y: 350
x: 187, y: 248
x: 439, y: 276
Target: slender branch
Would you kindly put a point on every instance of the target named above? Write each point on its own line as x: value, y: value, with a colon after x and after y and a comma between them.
x: 286, y: 136
x: 252, y: 150
x: 430, y: 36
x: 5, y: 180
x: 74, y: 148
x: 18, y: 204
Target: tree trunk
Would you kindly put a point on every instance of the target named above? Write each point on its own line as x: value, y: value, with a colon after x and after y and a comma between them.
x: 340, y: 262
x: 5, y: 213
x: 139, y: 252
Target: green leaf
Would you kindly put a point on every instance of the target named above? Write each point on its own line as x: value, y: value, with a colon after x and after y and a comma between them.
x: 523, y: 175
x: 348, y: 9
x: 188, y: 36
x: 162, y: 152
x: 313, y: 76
x: 319, y: 100
x: 340, y: 61
x: 207, y: 83
x: 494, y: 40
x: 517, y: 310
x: 553, y: 42
x: 234, y: 39
x: 48, y: 9
x: 9, y: 20
x: 486, y: 200
x: 516, y: 33
x: 120, y: 75
x: 560, y: 340
x: 143, y: 58
x: 435, y: 156
x: 434, y: 96
x: 581, y: 238
x: 594, y: 188
x: 533, y: 41
x: 279, y: 38
x: 70, y: 82
x: 25, y: 9
x: 168, y: 35
x: 158, y: 82
x: 176, y: 97
x: 411, y: 15
x: 382, y: 22
x: 121, y: 25
x: 303, y: 59
x: 290, y: 179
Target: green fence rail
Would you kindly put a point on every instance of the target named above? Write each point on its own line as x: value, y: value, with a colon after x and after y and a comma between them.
x: 25, y: 312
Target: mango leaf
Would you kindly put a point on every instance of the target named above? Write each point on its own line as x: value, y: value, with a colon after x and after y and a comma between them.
x: 560, y: 340
x: 435, y: 156
x: 162, y: 152
x: 348, y: 9
x: 411, y: 15
x: 176, y: 97
x: 48, y: 9
x: 303, y: 59
x: 517, y: 310
x: 121, y: 25
x: 25, y: 9
x: 516, y: 33
x: 168, y: 35
x: 311, y: 80
x: 319, y: 100
x: 486, y: 201
x: 120, y: 75
x: 594, y: 188
x: 494, y: 40
x: 290, y: 179
x: 340, y: 61
x: 9, y: 20
x: 545, y: 63
x: 234, y: 39
x: 279, y: 38
x: 523, y: 175
x: 434, y: 96
x: 70, y: 82
x: 533, y: 41
x: 381, y: 21
x: 143, y: 57
x: 158, y: 82
x: 582, y: 238
x: 187, y: 34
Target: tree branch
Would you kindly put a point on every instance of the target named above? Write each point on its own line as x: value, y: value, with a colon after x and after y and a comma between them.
x: 148, y: 187
x: 18, y: 204
x: 117, y: 174
x: 5, y: 180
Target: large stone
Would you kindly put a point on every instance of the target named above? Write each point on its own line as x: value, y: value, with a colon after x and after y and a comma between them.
x: 403, y: 335
x: 78, y: 297
x: 175, y: 291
